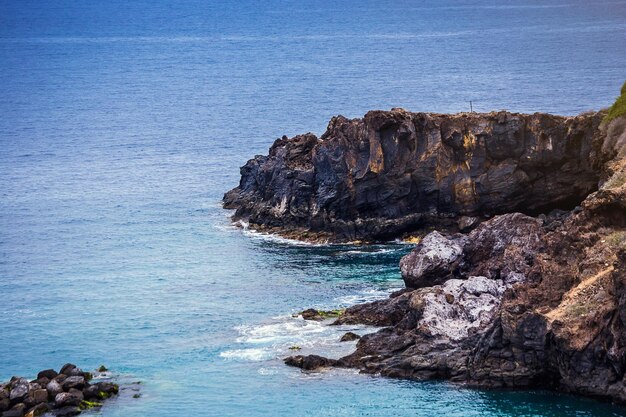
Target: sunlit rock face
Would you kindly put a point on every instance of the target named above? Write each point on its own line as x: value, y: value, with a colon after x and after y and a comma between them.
x: 392, y: 172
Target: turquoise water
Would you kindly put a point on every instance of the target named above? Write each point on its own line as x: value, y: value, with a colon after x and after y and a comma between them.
x: 123, y: 124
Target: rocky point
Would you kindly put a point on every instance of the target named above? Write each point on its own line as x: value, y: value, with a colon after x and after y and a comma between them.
x: 523, y: 284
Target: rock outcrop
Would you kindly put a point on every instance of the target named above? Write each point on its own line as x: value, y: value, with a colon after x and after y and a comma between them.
x: 66, y: 393
x: 393, y: 172
x: 520, y: 301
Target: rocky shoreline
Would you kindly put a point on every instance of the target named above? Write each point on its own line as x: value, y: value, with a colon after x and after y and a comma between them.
x: 65, y: 393
x: 523, y: 282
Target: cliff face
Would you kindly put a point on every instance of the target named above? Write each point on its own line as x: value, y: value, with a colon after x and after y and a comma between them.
x: 519, y: 302
x: 393, y: 172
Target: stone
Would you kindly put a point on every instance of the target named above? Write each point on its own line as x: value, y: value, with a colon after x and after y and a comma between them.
x: 108, y: 387
x: 91, y: 392
x: 5, y: 404
x: 467, y: 223
x: 54, y: 388
x: 13, y: 413
x: 432, y: 262
x: 67, y: 399
x: 67, y: 411
x: 19, y: 391
x: 77, y: 382
x: 70, y: 369
x: 310, y: 362
x: 349, y: 337
x: 37, y: 410
x: 47, y: 373
x: 40, y: 396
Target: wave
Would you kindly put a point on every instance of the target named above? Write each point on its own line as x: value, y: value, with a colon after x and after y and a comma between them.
x: 288, y: 335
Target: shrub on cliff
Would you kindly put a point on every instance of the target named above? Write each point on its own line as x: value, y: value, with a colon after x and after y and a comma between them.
x: 618, y: 108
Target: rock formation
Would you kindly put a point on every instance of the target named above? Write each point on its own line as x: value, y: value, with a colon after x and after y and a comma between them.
x: 65, y: 393
x: 531, y: 294
x: 518, y: 302
x: 394, y: 172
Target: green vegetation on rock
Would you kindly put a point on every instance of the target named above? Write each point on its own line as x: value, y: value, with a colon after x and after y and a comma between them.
x: 618, y: 108
x: 86, y: 405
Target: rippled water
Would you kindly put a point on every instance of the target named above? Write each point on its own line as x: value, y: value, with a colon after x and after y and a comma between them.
x: 121, y: 126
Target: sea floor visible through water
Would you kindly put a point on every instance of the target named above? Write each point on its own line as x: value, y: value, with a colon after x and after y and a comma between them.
x: 123, y: 123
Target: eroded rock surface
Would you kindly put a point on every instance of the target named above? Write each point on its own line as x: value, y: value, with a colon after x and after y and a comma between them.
x: 518, y: 302
x: 392, y: 172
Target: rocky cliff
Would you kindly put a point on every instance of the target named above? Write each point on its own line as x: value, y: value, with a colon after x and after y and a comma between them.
x: 518, y: 302
x: 393, y: 172
x: 531, y: 294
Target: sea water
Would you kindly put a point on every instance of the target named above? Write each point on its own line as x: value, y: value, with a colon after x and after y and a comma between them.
x: 123, y: 123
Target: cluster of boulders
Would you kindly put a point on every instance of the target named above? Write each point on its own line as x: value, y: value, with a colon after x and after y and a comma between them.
x: 65, y: 393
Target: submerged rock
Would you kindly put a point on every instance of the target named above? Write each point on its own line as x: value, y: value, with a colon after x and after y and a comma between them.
x: 349, y: 337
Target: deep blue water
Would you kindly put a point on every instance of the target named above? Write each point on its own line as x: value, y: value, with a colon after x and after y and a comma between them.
x: 121, y: 126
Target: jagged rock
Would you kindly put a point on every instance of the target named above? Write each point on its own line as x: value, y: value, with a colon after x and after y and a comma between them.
x: 432, y: 261
x: 393, y: 171
x: 377, y: 313
x: 310, y: 362
x: 39, y: 396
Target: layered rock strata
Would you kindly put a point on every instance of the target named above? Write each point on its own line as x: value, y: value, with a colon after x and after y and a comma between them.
x: 518, y: 302
x: 394, y: 172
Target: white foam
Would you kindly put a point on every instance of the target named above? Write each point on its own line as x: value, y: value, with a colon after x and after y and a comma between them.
x: 365, y: 296
x: 254, y: 355
x: 276, y: 339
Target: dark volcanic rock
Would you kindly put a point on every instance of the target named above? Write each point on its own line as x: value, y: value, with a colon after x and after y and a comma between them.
x: 310, y: 362
x: 62, y: 395
x: 527, y: 303
x: 48, y: 373
x: 394, y: 171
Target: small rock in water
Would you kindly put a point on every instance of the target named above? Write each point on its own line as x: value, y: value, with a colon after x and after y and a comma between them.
x: 349, y: 336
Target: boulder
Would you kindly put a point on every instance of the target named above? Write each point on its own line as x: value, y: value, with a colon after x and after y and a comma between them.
x: 54, y: 388
x: 71, y: 370
x: 432, y: 262
x: 40, y: 396
x: 309, y: 362
x: 19, y: 391
x: 77, y: 382
x: 68, y: 399
x: 5, y: 404
x: 47, y: 373
x: 349, y: 337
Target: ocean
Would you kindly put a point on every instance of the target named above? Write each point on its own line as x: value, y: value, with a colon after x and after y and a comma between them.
x: 123, y: 123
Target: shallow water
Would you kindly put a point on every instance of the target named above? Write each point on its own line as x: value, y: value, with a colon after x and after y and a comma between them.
x: 122, y: 125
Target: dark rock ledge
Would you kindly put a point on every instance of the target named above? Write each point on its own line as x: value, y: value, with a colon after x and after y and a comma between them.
x: 392, y: 173
x: 65, y: 393
x: 532, y: 294
x: 519, y: 302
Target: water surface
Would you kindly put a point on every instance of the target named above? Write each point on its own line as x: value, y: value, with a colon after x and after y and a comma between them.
x: 122, y: 124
